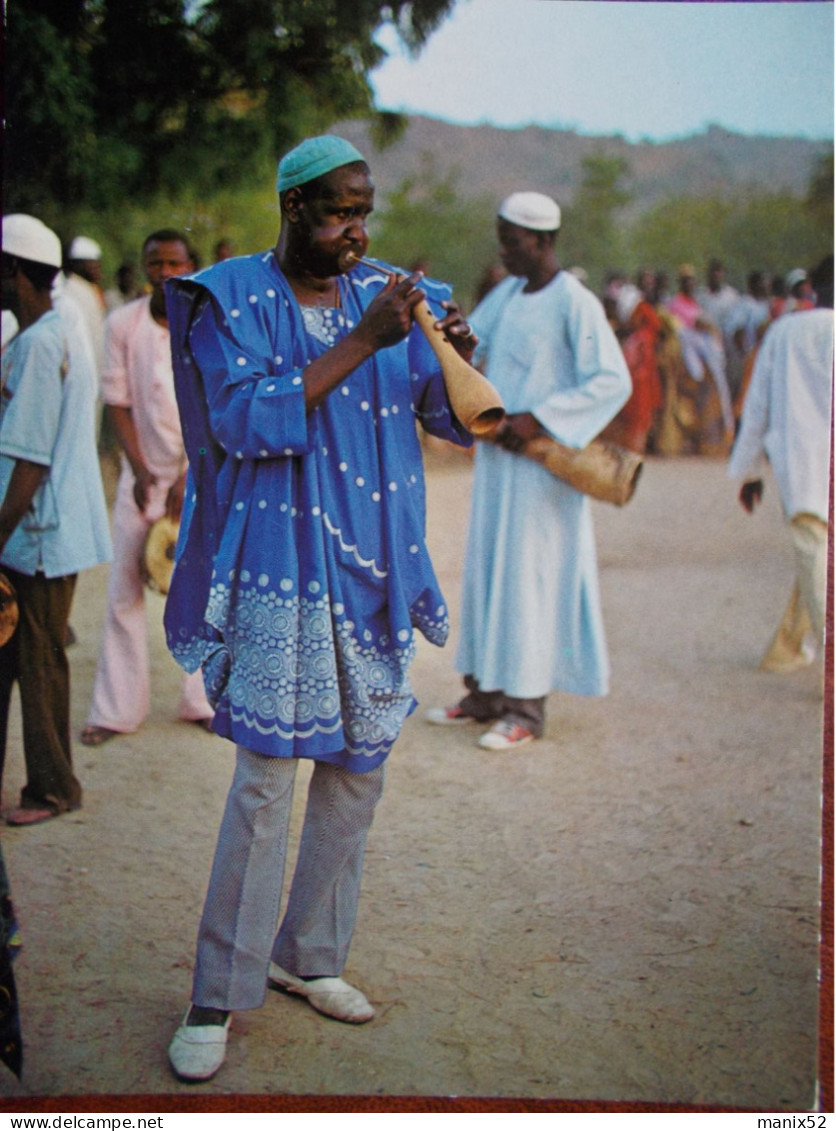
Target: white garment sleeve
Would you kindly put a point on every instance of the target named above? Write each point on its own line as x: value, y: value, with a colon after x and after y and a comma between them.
x: 575, y: 415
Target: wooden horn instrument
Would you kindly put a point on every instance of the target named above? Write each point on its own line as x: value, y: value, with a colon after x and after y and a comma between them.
x: 473, y: 398
x: 601, y: 469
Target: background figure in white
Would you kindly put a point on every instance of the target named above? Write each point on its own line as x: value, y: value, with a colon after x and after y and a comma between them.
x: 138, y: 388
x: 124, y: 287
x: 82, y: 283
x: 8, y: 328
x: 800, y: 292
x: 717, y: 298
x: 786, y: 420
x: 744, y: 327
x: 531, y: 614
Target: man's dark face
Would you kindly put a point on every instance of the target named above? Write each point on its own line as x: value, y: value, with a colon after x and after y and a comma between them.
x: 758, y: 287
x: 647, y: 285
x: 89, y: 269
x: 519, y: 248
x: 715, y: 277
x: 165, y: 259
x: 331, y: 222
x: 9, y: 293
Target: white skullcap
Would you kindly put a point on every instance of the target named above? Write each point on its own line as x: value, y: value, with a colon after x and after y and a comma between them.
x: 629, y: 297
x: 31, y: 239
x: 796, y: 276
x: 83, y: 247
x: 531, y: 210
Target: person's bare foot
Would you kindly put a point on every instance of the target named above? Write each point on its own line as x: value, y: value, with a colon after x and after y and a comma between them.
x: 97, y: 736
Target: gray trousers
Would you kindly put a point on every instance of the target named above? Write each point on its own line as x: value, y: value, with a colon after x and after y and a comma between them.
x: 237, y: 938
x: 485, y: 706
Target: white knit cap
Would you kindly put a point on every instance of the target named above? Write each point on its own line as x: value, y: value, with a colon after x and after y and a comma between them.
x: 83, y: 247
x: 796, y: 276
x: 29, y: 238
x: 531, y: 210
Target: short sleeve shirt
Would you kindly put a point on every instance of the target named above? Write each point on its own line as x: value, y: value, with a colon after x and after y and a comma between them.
x: 47, y: 409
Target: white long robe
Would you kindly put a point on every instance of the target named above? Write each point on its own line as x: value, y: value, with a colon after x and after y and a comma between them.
x: 531, y: 611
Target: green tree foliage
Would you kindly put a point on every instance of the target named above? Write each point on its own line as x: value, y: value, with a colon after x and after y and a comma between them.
x: 684, y: 230
x: 769, y: 232
x: 122, y: 116
x: 820, y: 195
x: 591, y: 233
x: 425, y: 221
x: 109, y: 98
x: 53, y: 85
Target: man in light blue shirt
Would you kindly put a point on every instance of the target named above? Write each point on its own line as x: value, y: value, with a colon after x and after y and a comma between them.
x: 53, y: 516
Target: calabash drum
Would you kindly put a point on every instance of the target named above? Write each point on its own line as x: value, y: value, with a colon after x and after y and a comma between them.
x: 8, y: 609
x: 157, y: 562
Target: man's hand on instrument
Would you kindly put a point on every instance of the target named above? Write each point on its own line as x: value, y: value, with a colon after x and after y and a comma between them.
x: 388, y: 318
x: 516, y: 430
x: 751, y: 494
x: 143, y: 482
x: 458, y: 331
x: 174, y: 498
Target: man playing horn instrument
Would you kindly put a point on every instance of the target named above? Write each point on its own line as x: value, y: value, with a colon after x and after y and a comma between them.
x: 302, y: 572
x: 531, y: 615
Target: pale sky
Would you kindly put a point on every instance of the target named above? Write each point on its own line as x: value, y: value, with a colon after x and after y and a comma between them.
x: 643, y: 69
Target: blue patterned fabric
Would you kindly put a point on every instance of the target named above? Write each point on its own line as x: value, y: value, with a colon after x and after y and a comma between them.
x: 301, y: 566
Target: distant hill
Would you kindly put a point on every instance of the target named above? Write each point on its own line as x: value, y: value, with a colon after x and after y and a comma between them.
x: 493, y: 161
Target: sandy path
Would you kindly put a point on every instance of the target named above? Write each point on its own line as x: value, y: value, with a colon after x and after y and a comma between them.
x: 625, y: 910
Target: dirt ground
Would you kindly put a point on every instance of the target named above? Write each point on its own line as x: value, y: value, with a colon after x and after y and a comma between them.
x: 625, y: 910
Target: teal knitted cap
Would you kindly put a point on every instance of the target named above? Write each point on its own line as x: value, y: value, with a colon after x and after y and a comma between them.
x: 313, y: 158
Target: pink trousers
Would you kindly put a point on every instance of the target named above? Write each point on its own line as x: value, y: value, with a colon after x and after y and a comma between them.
x: 121, y: 691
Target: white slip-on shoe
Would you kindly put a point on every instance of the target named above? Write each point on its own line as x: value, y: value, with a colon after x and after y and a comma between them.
x: 505, y: 736
x: 196, y: 1052
x: 331, y: 996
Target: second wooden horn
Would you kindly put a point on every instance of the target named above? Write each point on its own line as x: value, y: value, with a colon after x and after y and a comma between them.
x: 473, y: 398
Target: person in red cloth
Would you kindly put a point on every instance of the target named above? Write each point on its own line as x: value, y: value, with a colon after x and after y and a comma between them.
x: 640, y: 329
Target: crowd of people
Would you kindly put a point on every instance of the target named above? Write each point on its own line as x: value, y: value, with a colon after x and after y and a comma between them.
x: 749, y: 376
x: 268, y: 404
x: 691, y: 350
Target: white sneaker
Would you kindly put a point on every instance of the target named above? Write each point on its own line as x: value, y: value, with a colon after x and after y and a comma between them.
x: 331, y: 996
x: 504, y: 735
x: 196, y: 1052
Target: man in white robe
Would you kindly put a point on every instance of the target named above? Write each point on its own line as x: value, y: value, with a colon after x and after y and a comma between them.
x: 83, y: 285
x: 786, y: 420
x: 531, y: 618
x: 717, y: 298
